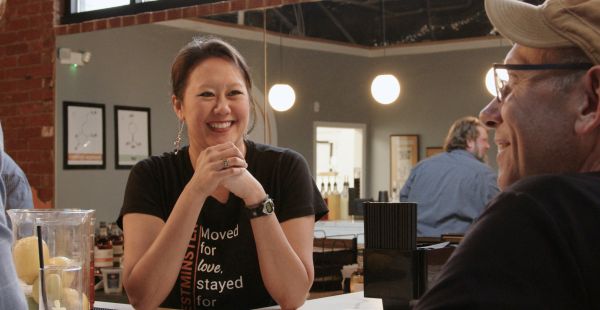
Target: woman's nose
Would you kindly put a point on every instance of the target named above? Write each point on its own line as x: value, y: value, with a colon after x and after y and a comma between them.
x: 490, y: 114
x: 222, y: 106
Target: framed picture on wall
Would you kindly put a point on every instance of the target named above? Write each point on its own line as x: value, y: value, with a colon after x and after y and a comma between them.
x: 404, y: 154
x: 433, y: 150
x: 84, y: 140
x: 132, y: 135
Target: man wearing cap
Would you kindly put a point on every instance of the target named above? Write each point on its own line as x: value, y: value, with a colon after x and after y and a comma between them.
x: 537, y: 245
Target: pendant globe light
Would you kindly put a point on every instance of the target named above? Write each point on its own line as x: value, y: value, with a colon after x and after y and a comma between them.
x: 385, y: 88
x: 281, y: 96
x: 490, y: 84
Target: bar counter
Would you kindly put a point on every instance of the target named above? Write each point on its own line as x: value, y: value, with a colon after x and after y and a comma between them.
x: 345, y: 301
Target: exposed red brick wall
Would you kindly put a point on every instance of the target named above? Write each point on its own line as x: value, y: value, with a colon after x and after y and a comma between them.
x: 27, y: 89
x: 27, y: 54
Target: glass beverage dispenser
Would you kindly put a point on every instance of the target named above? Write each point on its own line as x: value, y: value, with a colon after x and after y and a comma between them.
x: 66, y: 280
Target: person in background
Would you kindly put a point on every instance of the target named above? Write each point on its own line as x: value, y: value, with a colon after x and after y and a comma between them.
x: 11, y: 295
x: 198, y: 223
x: 18, y: 191
x: 537, y: 244
x: 451, y: 189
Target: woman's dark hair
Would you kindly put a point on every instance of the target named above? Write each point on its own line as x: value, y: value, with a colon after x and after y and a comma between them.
x: 199, y: 50
x: 461, y: 131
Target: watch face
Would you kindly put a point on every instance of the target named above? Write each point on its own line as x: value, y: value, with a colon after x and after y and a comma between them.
x: 268, y: 206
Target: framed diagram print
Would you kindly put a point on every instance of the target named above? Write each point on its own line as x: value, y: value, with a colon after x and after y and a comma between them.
x: 132, y: 135
x: 84, y: 141
x: 404, y: 154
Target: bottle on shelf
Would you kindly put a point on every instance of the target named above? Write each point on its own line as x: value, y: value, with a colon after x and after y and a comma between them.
x: 357, y: 280
x: 116, y: 239
x: 395, y: 197
x: 334, y: 202
x: 344, y: 200
x: 324, y: 195
x: 103, y: 250
x: 357, y: 181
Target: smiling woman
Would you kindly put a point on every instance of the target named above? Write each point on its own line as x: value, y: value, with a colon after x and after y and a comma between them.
x: 223, y: 205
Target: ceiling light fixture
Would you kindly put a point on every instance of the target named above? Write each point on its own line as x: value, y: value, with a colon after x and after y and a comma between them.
x: 490, y: 84
x: 281, y: 95
x: 385, y: 88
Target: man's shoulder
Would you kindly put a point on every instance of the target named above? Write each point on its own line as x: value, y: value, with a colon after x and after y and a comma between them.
x: 435, y: 159
x: 547, y: 183
x: 555, y: 194
x: 458, y: 159
x: 9, y: 166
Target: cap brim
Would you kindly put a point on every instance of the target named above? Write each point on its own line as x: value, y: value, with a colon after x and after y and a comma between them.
x: 523, y: 23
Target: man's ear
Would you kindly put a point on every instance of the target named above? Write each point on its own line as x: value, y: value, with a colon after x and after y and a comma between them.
x: 177, y: 107
x: 588, y: 112
x: 470, y: 145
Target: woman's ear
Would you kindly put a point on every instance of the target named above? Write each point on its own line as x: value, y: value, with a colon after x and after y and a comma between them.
x: 177, y: 107
x: 588, y: 112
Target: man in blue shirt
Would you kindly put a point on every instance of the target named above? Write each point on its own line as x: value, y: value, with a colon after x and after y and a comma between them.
x: 18, y: 191
x: 11, y: 295
x: 451, y: 189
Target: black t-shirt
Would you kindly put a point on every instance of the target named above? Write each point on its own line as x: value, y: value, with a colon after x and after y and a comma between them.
x: 537, y: 246
x: 220, y: 267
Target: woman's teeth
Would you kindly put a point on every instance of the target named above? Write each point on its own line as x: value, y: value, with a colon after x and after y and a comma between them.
x: 220, y: 125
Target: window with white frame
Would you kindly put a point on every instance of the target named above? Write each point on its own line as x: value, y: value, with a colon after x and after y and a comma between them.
x: 92, y: 5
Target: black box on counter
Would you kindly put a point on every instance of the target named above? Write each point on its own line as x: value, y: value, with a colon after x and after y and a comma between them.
x: 390, y: 225
x: 390, y: 256
x: 395, y: 269
x: 399, y: 276
x: 393, y: 275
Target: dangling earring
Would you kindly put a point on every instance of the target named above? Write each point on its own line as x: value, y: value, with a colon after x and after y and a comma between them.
x: 177, y: 142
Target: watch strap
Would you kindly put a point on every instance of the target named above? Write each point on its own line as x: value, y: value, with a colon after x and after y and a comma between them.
x: 262, y: 208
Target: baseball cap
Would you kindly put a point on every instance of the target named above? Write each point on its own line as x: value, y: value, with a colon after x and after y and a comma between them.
x: 556, y: 23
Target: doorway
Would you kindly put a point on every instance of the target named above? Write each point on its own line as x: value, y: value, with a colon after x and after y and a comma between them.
x: 340, y: 154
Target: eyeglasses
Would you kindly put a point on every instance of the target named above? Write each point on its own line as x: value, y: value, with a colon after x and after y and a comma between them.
x: 502, y: 78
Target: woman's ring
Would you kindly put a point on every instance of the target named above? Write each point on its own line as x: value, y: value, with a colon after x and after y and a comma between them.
x: 225, y: 163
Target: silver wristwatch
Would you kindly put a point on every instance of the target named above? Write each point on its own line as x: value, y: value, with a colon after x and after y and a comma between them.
x: 265, y: 207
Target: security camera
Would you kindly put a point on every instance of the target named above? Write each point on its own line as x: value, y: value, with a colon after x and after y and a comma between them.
x: 70, y: 57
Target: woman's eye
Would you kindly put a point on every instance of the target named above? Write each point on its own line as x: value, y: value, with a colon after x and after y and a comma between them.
x: 206, y: 94
x: 235, y: 93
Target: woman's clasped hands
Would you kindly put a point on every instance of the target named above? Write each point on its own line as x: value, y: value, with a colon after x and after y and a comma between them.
x: 224, y: 165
